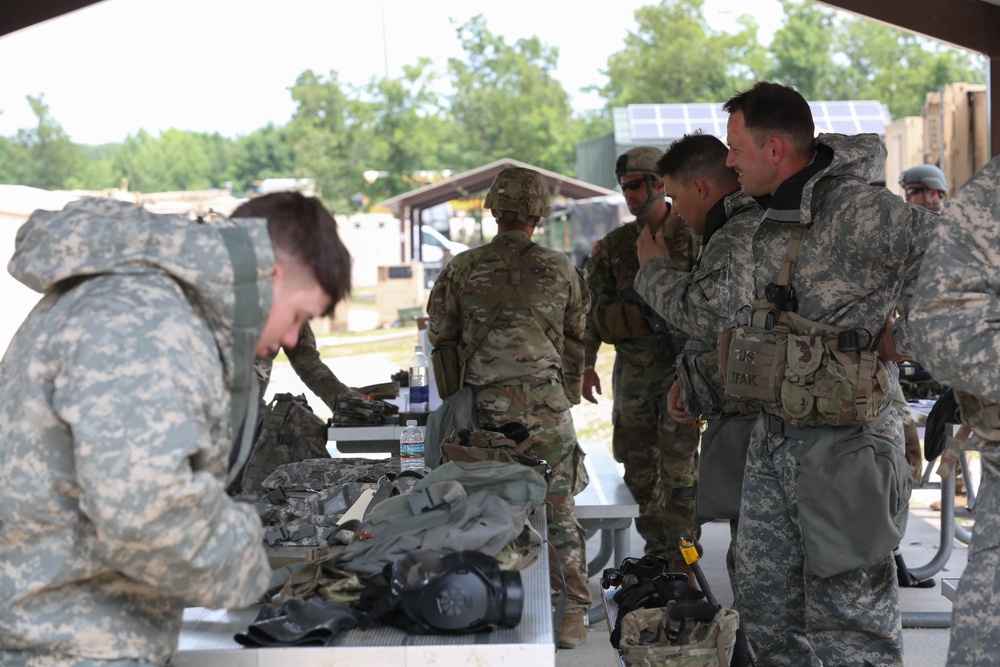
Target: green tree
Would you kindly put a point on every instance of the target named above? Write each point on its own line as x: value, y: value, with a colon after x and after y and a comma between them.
x: 176, y: 160
x: 803, y: 51
x: 829, y: 55
x: 897, y: 67
x: 409, y: 131
x: 506, y: 102
x: 325, y: 137
x: 46, y: 157
x: 674, y: 56
x: 264, y: 153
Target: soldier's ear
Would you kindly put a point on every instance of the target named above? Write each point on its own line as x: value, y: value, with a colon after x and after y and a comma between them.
x: 700, y: 187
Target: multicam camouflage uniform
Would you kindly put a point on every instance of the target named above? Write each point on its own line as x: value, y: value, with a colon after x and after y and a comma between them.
x: 116, y: 409
x: 520, y: 375
x: 309, y: 366
x: 858, y: 260
x: 953, y: 326
x: 658, y: 453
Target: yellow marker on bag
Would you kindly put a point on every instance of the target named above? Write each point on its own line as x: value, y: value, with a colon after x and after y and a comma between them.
x: 689, y: 551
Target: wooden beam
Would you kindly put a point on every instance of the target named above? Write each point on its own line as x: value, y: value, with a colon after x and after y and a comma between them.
x: 969, y: 24
x: 25, y: 13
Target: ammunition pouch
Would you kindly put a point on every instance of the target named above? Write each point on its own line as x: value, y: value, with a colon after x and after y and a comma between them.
x: 447, y: 365
x: 801, y: 371
x: 982, y: 416
x: 630, y: 317
x: 698, y: 375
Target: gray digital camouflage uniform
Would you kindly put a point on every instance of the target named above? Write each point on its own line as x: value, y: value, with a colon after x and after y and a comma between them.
x: 658, y: 453
x: 117, y: 420
x: 308, y: 365
x: 701, y: 303
x: 955, y: 336
x: 520, y: 375
x: 858, y: 260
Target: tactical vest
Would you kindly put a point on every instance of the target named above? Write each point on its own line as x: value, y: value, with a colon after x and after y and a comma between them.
x: 808, y: 373
x: 629, y: 319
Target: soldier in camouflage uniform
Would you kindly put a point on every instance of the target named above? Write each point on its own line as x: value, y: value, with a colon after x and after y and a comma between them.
x: 308, y: 365
x: 701, y: 303
x: 823, y: 505
x: 953, y: 326
x: 658, y: 453
x: 528, y: 366
x: 123, y: 394
x: 923, y: 185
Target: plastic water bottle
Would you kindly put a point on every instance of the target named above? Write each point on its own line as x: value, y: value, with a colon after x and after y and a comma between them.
x: 411, y: 447
x: 419, y: 375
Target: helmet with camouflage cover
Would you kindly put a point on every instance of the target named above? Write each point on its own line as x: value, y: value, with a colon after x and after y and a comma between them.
x: 926, y: 174
x: 523, y: 191
x: 638, y: 160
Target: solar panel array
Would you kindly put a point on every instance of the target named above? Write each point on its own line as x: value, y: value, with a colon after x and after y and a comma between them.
x: 666, y: 122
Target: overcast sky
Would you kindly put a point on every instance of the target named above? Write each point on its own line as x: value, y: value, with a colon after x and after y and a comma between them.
x: 225, y: 65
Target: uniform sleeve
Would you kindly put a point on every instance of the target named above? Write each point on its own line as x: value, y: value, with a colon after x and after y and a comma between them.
x: 954, y: 321
x: 308, y: 365
x: 600, y: 284
x: 574, y: 327
x: 444, y: 321
x: 918, y: 226
x: 699, y: 302
x: 140, y: 393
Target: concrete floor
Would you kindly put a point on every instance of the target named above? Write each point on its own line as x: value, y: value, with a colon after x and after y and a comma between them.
x: 923, y: 647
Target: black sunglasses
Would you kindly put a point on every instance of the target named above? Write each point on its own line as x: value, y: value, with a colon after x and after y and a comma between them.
x: 914, y: 191
x: 633, y: 185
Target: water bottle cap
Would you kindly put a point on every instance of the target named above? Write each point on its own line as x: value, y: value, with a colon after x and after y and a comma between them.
x: 411, y: 422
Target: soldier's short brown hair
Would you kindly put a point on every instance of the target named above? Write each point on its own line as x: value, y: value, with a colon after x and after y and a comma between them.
x: 305, y: 230
x: 771, y: 109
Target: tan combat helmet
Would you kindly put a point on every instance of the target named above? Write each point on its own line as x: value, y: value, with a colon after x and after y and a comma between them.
x: 523, y: 191
x: 638, y: 160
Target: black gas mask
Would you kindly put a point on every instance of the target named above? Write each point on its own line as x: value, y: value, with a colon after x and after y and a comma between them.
x: 454, y: 592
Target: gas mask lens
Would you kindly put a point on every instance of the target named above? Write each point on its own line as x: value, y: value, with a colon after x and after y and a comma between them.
x: 416, y: 569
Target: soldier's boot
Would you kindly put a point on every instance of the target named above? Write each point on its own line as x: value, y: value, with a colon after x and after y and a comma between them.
x: 574, y: 632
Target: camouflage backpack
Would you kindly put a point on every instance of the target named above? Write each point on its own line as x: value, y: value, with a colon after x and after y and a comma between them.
x: 356, y: 410
x: 287, y: 431
x: 512, y: 444
x: 304, y: 503
x: 681, y: 634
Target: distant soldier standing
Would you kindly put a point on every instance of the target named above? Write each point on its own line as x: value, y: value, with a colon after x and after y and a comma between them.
x: 658, y: 453
x: 519, y: 309
x: 953, y: 328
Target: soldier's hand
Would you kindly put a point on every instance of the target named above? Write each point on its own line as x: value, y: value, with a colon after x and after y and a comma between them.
x: 591, y: 382
x: 675, y: 407
x: 650, y: 246
x: 886, y: 347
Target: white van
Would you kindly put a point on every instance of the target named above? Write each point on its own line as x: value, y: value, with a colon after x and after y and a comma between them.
x: 433, y: 251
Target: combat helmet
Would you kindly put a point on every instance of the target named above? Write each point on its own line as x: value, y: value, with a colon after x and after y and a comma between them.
x: 638, y: 160
x: 927, y: 174
x: 521, y: 190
